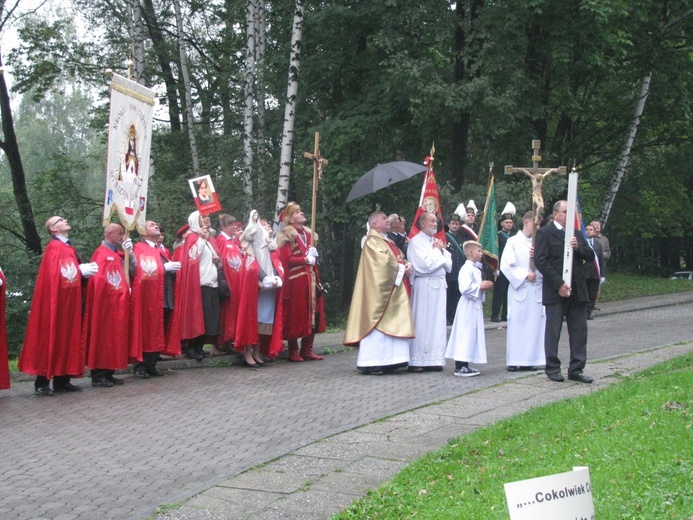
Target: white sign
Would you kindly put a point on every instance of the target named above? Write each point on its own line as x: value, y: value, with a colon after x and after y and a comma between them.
x: 129, y: 143
x: 565, y: 496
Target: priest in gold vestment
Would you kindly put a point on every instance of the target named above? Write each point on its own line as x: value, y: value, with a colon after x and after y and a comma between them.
x: 380, y: 320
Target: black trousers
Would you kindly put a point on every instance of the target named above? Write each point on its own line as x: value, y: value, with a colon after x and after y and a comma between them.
x: 500, y: 298
x: 575, y: 314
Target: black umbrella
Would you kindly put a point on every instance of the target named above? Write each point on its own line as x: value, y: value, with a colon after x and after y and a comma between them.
x: 383, y: 176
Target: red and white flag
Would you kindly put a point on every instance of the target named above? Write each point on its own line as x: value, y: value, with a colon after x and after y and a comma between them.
x: 429, y: 201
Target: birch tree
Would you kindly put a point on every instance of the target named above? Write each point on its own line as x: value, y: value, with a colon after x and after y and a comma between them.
x: 250, y: 14
x: 290, y: 111
x: 137, y: 34
x: 190, y: 119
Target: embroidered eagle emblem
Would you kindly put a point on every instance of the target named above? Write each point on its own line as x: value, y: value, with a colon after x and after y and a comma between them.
x: 69, y: 272
x: 234, y: 263
x: 148, y: 265
x: 113, y: 277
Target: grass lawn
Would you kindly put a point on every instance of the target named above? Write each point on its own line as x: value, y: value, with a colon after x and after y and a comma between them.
x: 635, y: 436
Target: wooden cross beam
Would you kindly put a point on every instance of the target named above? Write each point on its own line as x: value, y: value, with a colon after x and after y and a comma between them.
x: 318, y: 161
x: 537, y: 175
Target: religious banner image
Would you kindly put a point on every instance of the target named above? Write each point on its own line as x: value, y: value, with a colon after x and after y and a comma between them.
x: 129, y: 145
x: 429, y: 201
x: 205, y: 195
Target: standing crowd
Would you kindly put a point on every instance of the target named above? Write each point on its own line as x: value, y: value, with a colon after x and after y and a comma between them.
x: 241, y: 290
x: 403, y: 302
x: 247, y: 291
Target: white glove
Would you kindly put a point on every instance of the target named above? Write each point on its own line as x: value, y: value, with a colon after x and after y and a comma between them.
x: 310, y: 260
x: 268, y: 282
x: 278, y: 281
x: 0, y: 282
x: 172, y: 267
x: 602, y: 280
x: 89, y: 269
x: 312, y: 252
x: 127, y: 244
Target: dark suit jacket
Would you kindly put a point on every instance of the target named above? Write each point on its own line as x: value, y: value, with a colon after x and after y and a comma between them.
x: 400, y: 241
x: 590, y: 269
x: 548, y: 258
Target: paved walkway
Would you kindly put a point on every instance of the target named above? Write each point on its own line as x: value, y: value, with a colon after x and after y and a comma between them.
x: 288, y: 441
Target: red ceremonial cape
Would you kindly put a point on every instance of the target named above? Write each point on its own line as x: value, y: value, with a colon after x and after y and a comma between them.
x: 188, y: 320
x: 52, y: 344
x: 246, y: 324
x: 299, y: 289
x: 4, y: 363
x: 105, y: 332
x: 147, y: 303
x: 232, y: 261
x: 275, y: 345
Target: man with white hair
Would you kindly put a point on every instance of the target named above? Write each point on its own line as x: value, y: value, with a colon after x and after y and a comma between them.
x: 430, y: 261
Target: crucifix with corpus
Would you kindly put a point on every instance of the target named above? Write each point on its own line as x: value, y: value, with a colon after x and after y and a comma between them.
x: 318, y: 161
x: 537, y: 175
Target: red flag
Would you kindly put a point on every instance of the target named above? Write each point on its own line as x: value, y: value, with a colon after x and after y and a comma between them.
x: 429, y: 201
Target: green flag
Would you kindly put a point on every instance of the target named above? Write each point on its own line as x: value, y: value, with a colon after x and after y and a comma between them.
x: 488, y: 232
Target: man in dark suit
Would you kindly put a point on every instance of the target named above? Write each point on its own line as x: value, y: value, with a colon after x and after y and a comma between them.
x: 561, y: 299
x: 594, y: 271
x: 398, y: 232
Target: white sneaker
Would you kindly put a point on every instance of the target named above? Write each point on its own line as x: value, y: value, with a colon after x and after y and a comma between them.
x: 467, y: 372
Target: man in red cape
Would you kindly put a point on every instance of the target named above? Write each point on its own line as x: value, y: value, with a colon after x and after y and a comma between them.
x: 52, y: 344
x: 4, y: 366
x: 232, y: 260
x: 147, y: 337
x: 304, y: 312
x: 105, y: 334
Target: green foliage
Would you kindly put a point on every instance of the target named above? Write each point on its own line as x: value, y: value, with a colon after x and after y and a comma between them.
x: 634, y: 436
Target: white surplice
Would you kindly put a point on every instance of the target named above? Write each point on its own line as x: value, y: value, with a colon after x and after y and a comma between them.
x: 429, y: 294
x: 526, y: 316
x: 467, y: 338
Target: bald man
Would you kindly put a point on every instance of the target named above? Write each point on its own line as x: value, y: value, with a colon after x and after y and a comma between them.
x: 52, y: 344
x: 105, y: 332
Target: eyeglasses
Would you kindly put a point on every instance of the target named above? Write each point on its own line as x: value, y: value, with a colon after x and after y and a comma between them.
x: 562, y: 211
x: 55, y: 223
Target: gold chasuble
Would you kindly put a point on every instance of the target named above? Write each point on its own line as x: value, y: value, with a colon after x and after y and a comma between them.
x: 377, y: 302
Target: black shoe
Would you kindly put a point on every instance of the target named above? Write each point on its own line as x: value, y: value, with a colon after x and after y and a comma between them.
x: 513, y: 369
x: 496, y: 320
x: 101, y: 382
x: 580, y: 378
x: 141, y: 374
x: 250, y: 365
x: 435, y: 368
x: 590, y: 318
x: 67, y: 387
x: 415, y: 370
x: 556, y: 376
x: 43, y: 391
x: 191, y: 354
x: 115, y: 380
x: 153, y: 372
x: 528, y: 369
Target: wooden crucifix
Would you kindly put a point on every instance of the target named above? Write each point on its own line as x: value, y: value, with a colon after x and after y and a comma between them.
x: 318, y: 161
x: 537, y: 175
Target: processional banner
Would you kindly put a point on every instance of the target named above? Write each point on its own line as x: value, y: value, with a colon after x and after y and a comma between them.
x: 129, y: 146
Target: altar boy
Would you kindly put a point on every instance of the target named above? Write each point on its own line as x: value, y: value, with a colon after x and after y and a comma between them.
x: 467, y: 343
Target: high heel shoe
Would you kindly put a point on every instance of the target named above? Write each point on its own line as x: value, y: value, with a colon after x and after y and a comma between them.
x: 260, y: 363
x: 250, y: 365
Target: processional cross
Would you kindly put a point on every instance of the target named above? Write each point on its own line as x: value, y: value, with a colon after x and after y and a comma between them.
x: 318, y: 161
x: 537, y: 175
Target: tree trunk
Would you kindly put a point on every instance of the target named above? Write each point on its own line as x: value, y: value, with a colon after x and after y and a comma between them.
x: 260, y: 45
x: 289, y: 112
x: 188, y: 95
x: 250, y: 12
x: 9, y: 145
x: 159, y: 45
x: 136, y: 16
x: 625, y: 152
